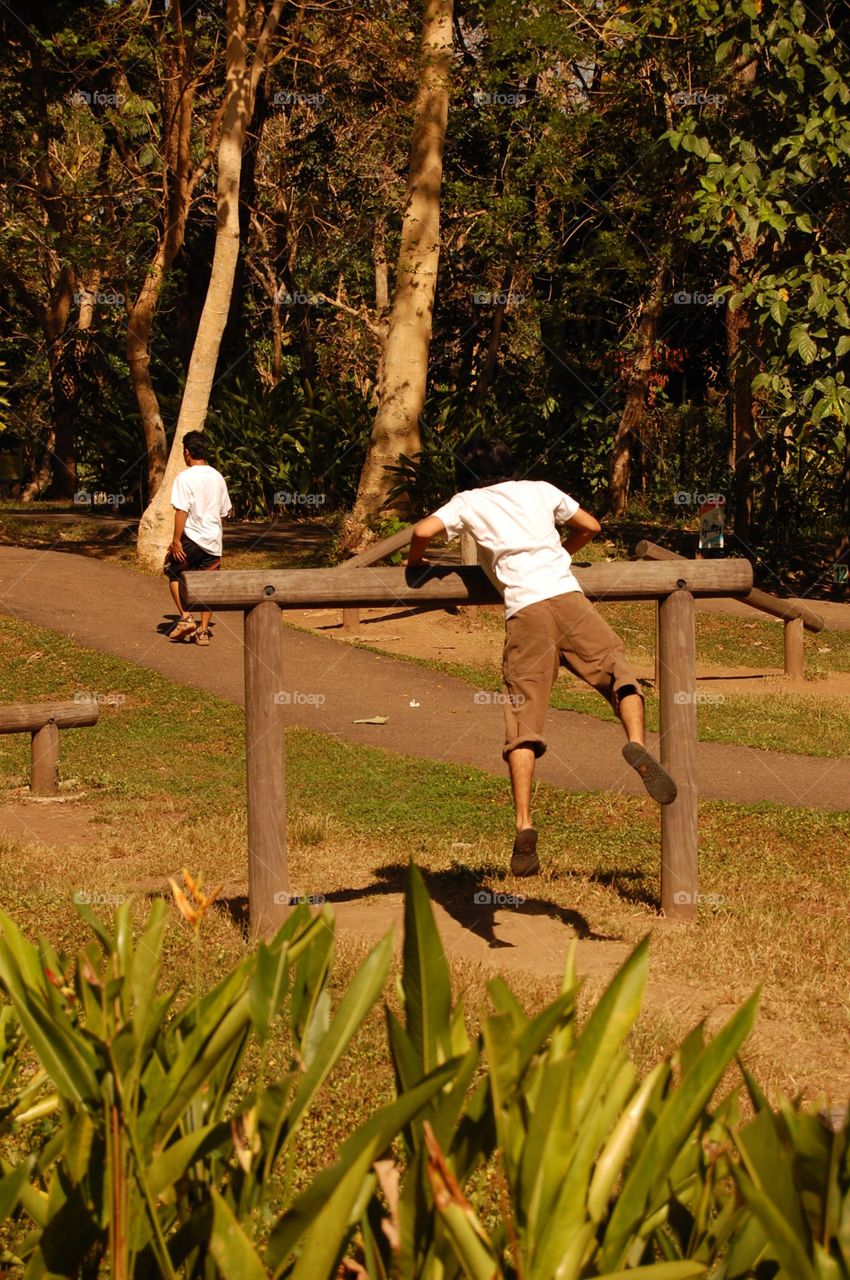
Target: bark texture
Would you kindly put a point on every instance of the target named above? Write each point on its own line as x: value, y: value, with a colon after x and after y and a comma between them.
x: 405, y: 368
x: 633, y: 410
x: 178, y: 102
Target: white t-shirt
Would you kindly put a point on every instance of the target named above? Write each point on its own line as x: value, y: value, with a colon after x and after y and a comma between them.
x: 514, y: 523
x: 201, y: 491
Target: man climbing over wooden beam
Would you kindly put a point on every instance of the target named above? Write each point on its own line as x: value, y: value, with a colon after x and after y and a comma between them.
x: 549, y: 622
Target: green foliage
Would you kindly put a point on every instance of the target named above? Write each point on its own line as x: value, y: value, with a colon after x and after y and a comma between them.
x: 156, y: 1151
x: 768, y: 163
x: 283, y: 441
x: 147, y: 1158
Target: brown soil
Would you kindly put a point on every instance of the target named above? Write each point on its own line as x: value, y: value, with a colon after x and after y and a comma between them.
x: 57, y: 822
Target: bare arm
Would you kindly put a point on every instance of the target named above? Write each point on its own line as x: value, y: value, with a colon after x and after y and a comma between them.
x: 584, y: 528
x: 176, y: 547
x: 423, y: 532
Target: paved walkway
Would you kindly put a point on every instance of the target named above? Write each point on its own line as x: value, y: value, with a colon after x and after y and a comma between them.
x: 116, y: 610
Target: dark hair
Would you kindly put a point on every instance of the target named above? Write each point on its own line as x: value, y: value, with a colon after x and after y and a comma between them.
x: 480, y: 463
x: 196, y: 444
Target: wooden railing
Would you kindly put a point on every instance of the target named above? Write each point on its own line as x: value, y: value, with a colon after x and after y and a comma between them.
x: 387, y: 547
x: 261, y: 594
x: 795, y: 616
x: 43, y: 720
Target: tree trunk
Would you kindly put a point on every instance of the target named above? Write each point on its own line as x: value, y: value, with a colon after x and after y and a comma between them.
x: 139, y: 327
x: 488, y: 367
x: 842, y: 551
x: 396, y: 427
x: 155, y: 526
x: 54, y: 318
x: 740, y: 360
x: 741, y: 365
x: 632, y: 415
x: 178, y: 92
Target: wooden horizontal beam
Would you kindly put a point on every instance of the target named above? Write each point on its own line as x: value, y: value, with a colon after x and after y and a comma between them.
x: 22, y: 717
x: 442, y: 585
x: 763, y: 600
x: 379, y: 550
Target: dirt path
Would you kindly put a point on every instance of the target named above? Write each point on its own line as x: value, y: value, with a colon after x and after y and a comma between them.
x: 115, y: 610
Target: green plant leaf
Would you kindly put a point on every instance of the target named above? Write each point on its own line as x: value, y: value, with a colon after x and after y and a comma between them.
x: 610, y: 1022
x: 672, y: 1130
x: 324, y: 1210
x: 11, y: 1184
x: 234, y: 1255
x: 362, y: 992
x: 425, y: 976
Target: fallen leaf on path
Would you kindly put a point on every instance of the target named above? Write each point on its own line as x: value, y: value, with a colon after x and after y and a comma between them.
x: 372, y: 720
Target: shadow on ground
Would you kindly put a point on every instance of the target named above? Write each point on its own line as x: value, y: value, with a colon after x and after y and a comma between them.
x: 463, y: 895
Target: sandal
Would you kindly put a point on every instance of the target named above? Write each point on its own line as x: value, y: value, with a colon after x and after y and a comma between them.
x: 200, y: 637
x: 653, y: 775
x: 183, y: 628
x: 524, y: 859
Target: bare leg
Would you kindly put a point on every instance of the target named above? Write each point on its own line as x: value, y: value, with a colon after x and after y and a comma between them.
x: 175, y: 595
x: 654, y: 776
x: 205, y: 620
x: 630, y: 711
x: 521, y: 766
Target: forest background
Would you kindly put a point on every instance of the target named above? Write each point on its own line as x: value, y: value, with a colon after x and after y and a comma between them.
x: 636, y: 266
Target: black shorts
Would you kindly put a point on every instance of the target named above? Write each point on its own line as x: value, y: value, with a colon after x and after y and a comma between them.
x: 196, y: 558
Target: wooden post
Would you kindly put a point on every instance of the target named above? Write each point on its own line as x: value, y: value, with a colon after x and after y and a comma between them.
x: 44, y: 775
x: 350, y: 620
x: 468, y: 548
x: 268, y: 877
x: 794, y: 648
x: 677, y: 696
x: 657, y: 647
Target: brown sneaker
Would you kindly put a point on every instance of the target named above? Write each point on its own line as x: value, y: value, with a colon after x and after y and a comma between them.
x: 653, y: 775
x: 183, y: 628
x: 524, y: 859
x: 201, y: 637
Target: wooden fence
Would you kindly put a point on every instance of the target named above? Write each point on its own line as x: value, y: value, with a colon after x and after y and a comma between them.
x: 43, y: 720
x: 795, y: 616
x: 261, y: 594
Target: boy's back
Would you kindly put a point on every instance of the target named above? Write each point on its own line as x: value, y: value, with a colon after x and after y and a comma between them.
x: 201, y: 491
x: 514, y: 524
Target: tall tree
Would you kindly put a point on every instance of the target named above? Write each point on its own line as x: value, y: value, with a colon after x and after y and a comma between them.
x: 396, y: 429
x: 242, y: 79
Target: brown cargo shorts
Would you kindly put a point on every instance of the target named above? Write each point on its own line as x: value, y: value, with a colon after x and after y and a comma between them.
x: 564, y: 631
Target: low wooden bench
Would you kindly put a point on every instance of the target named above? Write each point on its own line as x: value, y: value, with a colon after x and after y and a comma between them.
x: 44, y: 720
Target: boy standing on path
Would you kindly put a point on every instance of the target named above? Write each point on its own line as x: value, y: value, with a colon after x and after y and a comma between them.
x: 200, y: 500
x: 548, y: 619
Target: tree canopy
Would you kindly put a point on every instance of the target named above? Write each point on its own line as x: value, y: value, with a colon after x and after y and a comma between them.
x: 643, y: 262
